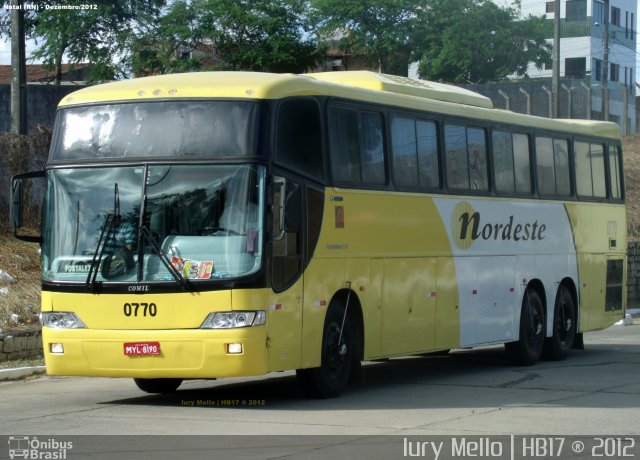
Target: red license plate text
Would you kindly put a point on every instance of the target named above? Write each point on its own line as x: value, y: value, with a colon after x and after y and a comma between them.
x: 141, y: 348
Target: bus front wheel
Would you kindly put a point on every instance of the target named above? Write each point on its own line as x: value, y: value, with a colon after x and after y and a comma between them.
x: 337, y: 355
x: 527, y: 350
x: 557, y: 347
x: 158, y: 385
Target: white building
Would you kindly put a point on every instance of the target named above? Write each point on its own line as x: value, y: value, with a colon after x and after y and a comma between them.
x: 582, y: 32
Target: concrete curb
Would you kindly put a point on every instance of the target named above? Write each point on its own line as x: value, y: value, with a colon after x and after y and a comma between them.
x: 12, y: 374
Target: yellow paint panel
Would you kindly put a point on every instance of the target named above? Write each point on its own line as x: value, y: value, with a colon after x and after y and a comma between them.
x: 379, y: 225
x: 408, y: 305
x: 173, y: 311
x: 600, y: 234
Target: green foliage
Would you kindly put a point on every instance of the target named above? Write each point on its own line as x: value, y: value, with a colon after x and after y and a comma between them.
x: 477, y: 41
x: 155, y: 52
x: 384, y: 31
x: 100, y: 34
x: 257, y: 35
x: 453, y: 40
x: 260, y: 35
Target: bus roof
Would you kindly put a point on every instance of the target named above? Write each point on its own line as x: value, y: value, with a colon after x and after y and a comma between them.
x: 355, y: 85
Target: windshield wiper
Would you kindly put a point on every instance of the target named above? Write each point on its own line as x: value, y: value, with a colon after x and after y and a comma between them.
x: 181, y: 280
x: 98, y: 252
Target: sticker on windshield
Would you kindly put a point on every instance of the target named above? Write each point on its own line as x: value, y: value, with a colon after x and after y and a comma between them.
x: 193, y: 269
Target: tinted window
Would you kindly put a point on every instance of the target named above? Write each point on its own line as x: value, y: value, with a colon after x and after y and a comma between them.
x: 372, y: 148
x: 415, y: 152
x: 552, y: 165
x: 345, y: 148
x: 615, y: 172
x: 466, y: 158
x: 357, y: 146
x: 156, y: 129
x: 455, y: 140
x: 590, y: 174
x: 404, y: 151
x: 299, y: 137
x: 522, y: 163
x: 561, y: 160
x: 428, y: 154
x: 503, y: 162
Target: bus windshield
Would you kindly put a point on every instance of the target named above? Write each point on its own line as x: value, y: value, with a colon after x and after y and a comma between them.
x: 156, y: 129
x: 134, y: 223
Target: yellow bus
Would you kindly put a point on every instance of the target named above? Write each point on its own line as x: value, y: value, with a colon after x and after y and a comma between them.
x: 223, y: 224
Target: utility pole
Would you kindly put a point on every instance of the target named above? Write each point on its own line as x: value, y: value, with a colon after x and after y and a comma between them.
x: 555, y: 75
x: 605, y: 63
x: 18, y: 71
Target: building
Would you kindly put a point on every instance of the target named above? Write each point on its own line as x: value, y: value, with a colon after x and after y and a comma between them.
x: 42, y: 94
x: 72, y: 74
x: 582, y: 51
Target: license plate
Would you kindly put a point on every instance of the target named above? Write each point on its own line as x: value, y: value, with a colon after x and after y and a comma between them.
x: 142, y: 348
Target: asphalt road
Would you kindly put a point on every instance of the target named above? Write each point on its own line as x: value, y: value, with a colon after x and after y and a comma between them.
x: 467, y: 393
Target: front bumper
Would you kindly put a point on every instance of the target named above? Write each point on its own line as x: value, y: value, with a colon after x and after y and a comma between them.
x: 184, y: 353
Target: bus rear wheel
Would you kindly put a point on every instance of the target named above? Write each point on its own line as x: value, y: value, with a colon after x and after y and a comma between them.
x: 527, y: 350
x: 158, y: 385
x: 558, y: 346
x: 331, y: 378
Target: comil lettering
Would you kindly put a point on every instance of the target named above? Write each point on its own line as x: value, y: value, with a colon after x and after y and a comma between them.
x: 505, y: 231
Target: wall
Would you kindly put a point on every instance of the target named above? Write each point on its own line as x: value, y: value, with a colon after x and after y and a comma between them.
x: 633, y: 275
x: 21, y: 345
x: 42, y: 101
x: 585, y: 102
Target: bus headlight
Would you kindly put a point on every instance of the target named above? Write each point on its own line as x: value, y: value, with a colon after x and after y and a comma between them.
x: 61, y: 320
x: 234, y: 319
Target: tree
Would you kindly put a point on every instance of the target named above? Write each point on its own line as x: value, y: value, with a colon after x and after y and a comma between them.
x: 259, y: 35
x: 100, y: 34
x: 176, y: 31
x: 383, y: 31
x: 477, y: 41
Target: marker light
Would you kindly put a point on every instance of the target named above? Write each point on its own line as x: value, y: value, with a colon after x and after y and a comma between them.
x: 56, y: 348
x: 61, y: 320
x: 234, y: 319
x: 234, y: 348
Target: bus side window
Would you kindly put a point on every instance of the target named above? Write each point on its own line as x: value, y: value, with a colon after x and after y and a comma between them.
x: 299, y: 137
x: 357, y: 146
x: 466, y: 157
x: 614, y: 172
x: 415, y: 152
x: 552, y: 163
x: 503, y: 162
x: 511, y: 162
x: 590, y: 176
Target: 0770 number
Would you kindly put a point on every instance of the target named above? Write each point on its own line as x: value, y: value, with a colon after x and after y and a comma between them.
x: 140, y: 309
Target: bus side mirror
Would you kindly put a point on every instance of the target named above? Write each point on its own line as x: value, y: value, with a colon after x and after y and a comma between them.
x: 280, y: 196
x: 17, y: 204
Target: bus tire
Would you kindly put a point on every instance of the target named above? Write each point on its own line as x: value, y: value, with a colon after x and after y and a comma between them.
x: 527, y: 350
x: 557, y: 347
x: 331, y: 378
x: 158, y: 385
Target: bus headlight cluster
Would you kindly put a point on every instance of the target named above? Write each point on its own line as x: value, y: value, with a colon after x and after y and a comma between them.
x: 234, y: 319
x: 61, y: 320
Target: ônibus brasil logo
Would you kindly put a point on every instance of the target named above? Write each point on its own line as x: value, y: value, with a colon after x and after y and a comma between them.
x: 33, y: 448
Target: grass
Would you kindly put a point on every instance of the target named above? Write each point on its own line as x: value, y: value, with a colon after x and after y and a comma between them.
x: 16, y: 363
x: 21, y: 304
